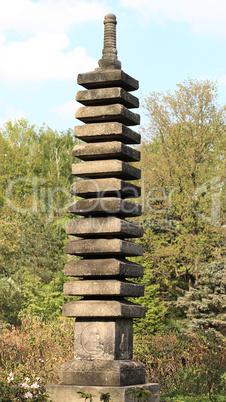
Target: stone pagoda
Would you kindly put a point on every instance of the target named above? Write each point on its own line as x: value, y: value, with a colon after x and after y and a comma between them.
x: 102, y: 237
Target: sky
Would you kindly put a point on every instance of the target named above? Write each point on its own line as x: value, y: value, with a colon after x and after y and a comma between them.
x: 45, y: 44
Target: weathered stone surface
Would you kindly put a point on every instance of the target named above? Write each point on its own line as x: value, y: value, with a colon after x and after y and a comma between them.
x: 107, y: 78
x: 109, y: 54
x: 69, y: 393
x: 99, y: 227
x: 102, y: 372
x: 116, y: 112
x: 107, y: 96
x: 101, y: 287
x: 103, y: 329
x: 109, y: 168
x: 109, y: 187
x: 108, y: 64
x: 103, y: 308
x: 103, y: 247
x: 105, y: 339
x: 111, y: 131
x: 103, y: 267
x: 106, y: 150
x: 105, y: 205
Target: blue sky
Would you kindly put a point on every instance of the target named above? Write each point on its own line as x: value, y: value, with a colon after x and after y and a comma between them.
x: 44, y: 44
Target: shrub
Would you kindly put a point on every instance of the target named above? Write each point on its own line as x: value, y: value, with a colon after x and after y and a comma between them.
x: 191, y: 364
x: 36, y: 348
x: 19, y: 388
x: 185, y: 365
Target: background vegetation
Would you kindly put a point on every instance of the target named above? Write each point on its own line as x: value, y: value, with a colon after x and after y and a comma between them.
x: 183, y: 166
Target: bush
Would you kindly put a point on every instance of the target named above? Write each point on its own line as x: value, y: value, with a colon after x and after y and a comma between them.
x: 188, y: 367
x: 11, y: 301
x: 36, y: 349
x: 181, y: 363
x: 21, y: 389
x: 183, y: 398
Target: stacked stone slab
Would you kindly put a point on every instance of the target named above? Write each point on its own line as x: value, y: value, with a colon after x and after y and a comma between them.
x: 103, y: 230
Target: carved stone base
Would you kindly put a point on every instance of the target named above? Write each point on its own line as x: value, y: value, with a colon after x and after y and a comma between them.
x: 69, y: 393
x: 103, y: 340
x: 102, y: 372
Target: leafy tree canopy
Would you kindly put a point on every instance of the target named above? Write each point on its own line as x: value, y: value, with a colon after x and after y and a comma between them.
x: 35, y: 167
x: 183, y: 164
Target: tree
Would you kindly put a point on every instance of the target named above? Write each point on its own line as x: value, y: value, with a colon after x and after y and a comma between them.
x: 35, y: 167
x: 155, y: 309
x: 31, y: 261
x: 183, y: 164
x: 44, y: 300
x: 41, y: 247
x: 56, y: 155
x: 19, y: 158
x: 204, y: 305
x: 11, y: 301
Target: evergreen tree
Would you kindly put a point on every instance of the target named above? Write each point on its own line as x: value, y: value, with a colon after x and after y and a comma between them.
x: 204, y: 304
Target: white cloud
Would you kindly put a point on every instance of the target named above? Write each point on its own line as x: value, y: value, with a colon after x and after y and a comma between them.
x: 13, y: 114
x: 40, y: 46
x: 42, y: 57
x: 67, y: 110
x: 205, y: 17
x: 48, y: 16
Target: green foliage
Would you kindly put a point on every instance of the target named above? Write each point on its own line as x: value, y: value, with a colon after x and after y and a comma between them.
x: 35, y: 167
x: 192, y: 364
x: 56, y: 155
x: 20, y: 388
x: 31, y: 265
x: 192, y: 398
x: 41, y: 247
x: 19, y: 155
x: 10, y: 232
x: 205, y: 304
x: 155, y: 309
x: 183, y: 165
x: 11, y: 300
x: 105, y: 397
x: 85, y: 395
x: 141, y: 393
x: 31, y: 159
x: 184, y: 365
x: 43, y: 300
x: 36, y: 348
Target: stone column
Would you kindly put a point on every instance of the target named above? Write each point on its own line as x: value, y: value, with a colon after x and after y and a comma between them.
x: 104, y: 318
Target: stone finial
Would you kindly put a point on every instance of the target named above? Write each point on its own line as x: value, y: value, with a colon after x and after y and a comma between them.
x: 109, y: 50
x: 109, y: 53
